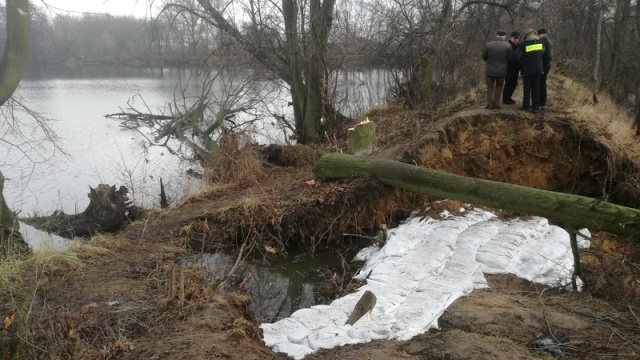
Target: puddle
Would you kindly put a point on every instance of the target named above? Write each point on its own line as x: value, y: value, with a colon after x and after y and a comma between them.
x: 278, y: 288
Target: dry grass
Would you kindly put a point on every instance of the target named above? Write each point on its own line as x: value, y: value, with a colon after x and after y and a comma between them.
x: 97, y: 247
x: 17, y: 272
x: 12, y: 275
x: 49, y: 262
x: 474, y: 96
x: 236, y: 161
x: 609, y: 123
x: 20, y: 278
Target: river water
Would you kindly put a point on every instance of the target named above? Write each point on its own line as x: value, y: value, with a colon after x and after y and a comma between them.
x: 41, y: 180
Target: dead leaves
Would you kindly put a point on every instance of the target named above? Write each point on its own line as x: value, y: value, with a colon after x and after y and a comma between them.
x: 270, y: 249
x: 326, y: 195
x: 87, y: 307
x: 7, y: 322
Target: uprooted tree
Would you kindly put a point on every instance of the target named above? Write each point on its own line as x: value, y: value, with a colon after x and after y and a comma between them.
x: 570, y: 211
x: 108, y: 210
x: 12, y: 67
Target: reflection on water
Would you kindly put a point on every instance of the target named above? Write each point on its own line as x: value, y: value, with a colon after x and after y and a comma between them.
x: 277, y: 289
x: 105, y: 72
x: 41, y: 240
x: 77, y: 98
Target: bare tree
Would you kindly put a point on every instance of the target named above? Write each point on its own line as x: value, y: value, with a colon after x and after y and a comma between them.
x: 596, y: 65
x: 187, y: 30
x: 620, y: 47
x: 289, y: 39
x: 12, y: 67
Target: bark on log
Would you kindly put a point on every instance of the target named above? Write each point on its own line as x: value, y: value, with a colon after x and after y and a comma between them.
x: 107, y: 211
x: 566, y: 209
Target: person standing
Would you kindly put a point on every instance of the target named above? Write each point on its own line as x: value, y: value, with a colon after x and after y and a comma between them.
x: 496, y: 54
x: 530, y: 53
x: 513, y: 69
x: 546, y: 65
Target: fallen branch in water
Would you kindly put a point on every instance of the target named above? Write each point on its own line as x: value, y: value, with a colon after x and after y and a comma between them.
x: 138, y: 116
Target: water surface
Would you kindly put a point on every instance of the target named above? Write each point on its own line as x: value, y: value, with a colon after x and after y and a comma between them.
x: 75, y: 99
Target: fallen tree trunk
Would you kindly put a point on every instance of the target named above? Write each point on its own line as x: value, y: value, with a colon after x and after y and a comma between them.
x: 107, y: 211
x: 566, y: 209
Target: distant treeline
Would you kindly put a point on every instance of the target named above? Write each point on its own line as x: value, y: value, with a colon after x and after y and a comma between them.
x: 437, y: 43
x: 174, y: 38
x: 110, y: 40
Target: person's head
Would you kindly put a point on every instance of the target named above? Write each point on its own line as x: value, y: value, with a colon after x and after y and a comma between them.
x: 515, y: 37
x: 501, y: 35
x: 542, y: 33
x: 530, y: 34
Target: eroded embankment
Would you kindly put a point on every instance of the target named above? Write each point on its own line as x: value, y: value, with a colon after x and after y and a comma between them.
x: 282, y: 205
x: 518, y: 149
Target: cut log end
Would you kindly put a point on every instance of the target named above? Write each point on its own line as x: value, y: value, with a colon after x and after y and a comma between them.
x: 362, y: 138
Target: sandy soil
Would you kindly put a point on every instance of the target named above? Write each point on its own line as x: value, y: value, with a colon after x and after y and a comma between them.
x: 119, y: 306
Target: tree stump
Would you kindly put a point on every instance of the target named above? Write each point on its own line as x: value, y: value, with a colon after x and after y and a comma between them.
x: 362, y: 138
x: 107, y: 211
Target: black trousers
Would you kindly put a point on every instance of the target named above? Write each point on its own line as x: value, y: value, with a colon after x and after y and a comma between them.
x: 543, y: 89
x: 531, y: 85
x: 510, y: 84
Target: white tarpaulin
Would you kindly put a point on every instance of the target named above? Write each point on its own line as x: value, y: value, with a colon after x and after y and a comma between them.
x: 425, y: 266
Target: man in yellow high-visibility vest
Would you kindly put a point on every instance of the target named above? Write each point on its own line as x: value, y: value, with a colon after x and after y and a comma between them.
x: 530, y: 52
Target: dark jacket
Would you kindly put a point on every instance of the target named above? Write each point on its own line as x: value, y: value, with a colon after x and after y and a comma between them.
x: 548, y: 54
x: 531, y: 53
x: 514, y: 65
x: 497, y: 55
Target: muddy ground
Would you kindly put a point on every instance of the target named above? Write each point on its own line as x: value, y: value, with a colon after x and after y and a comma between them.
x: 118, y: 305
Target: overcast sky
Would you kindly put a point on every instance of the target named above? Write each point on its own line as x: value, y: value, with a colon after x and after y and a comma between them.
x: 113, y: 7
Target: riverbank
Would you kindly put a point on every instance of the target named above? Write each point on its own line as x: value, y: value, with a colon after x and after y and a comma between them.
x: 110, y: 297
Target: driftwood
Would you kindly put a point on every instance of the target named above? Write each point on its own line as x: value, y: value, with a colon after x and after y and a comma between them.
x: 108, y: 211
x: 569, y: 211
